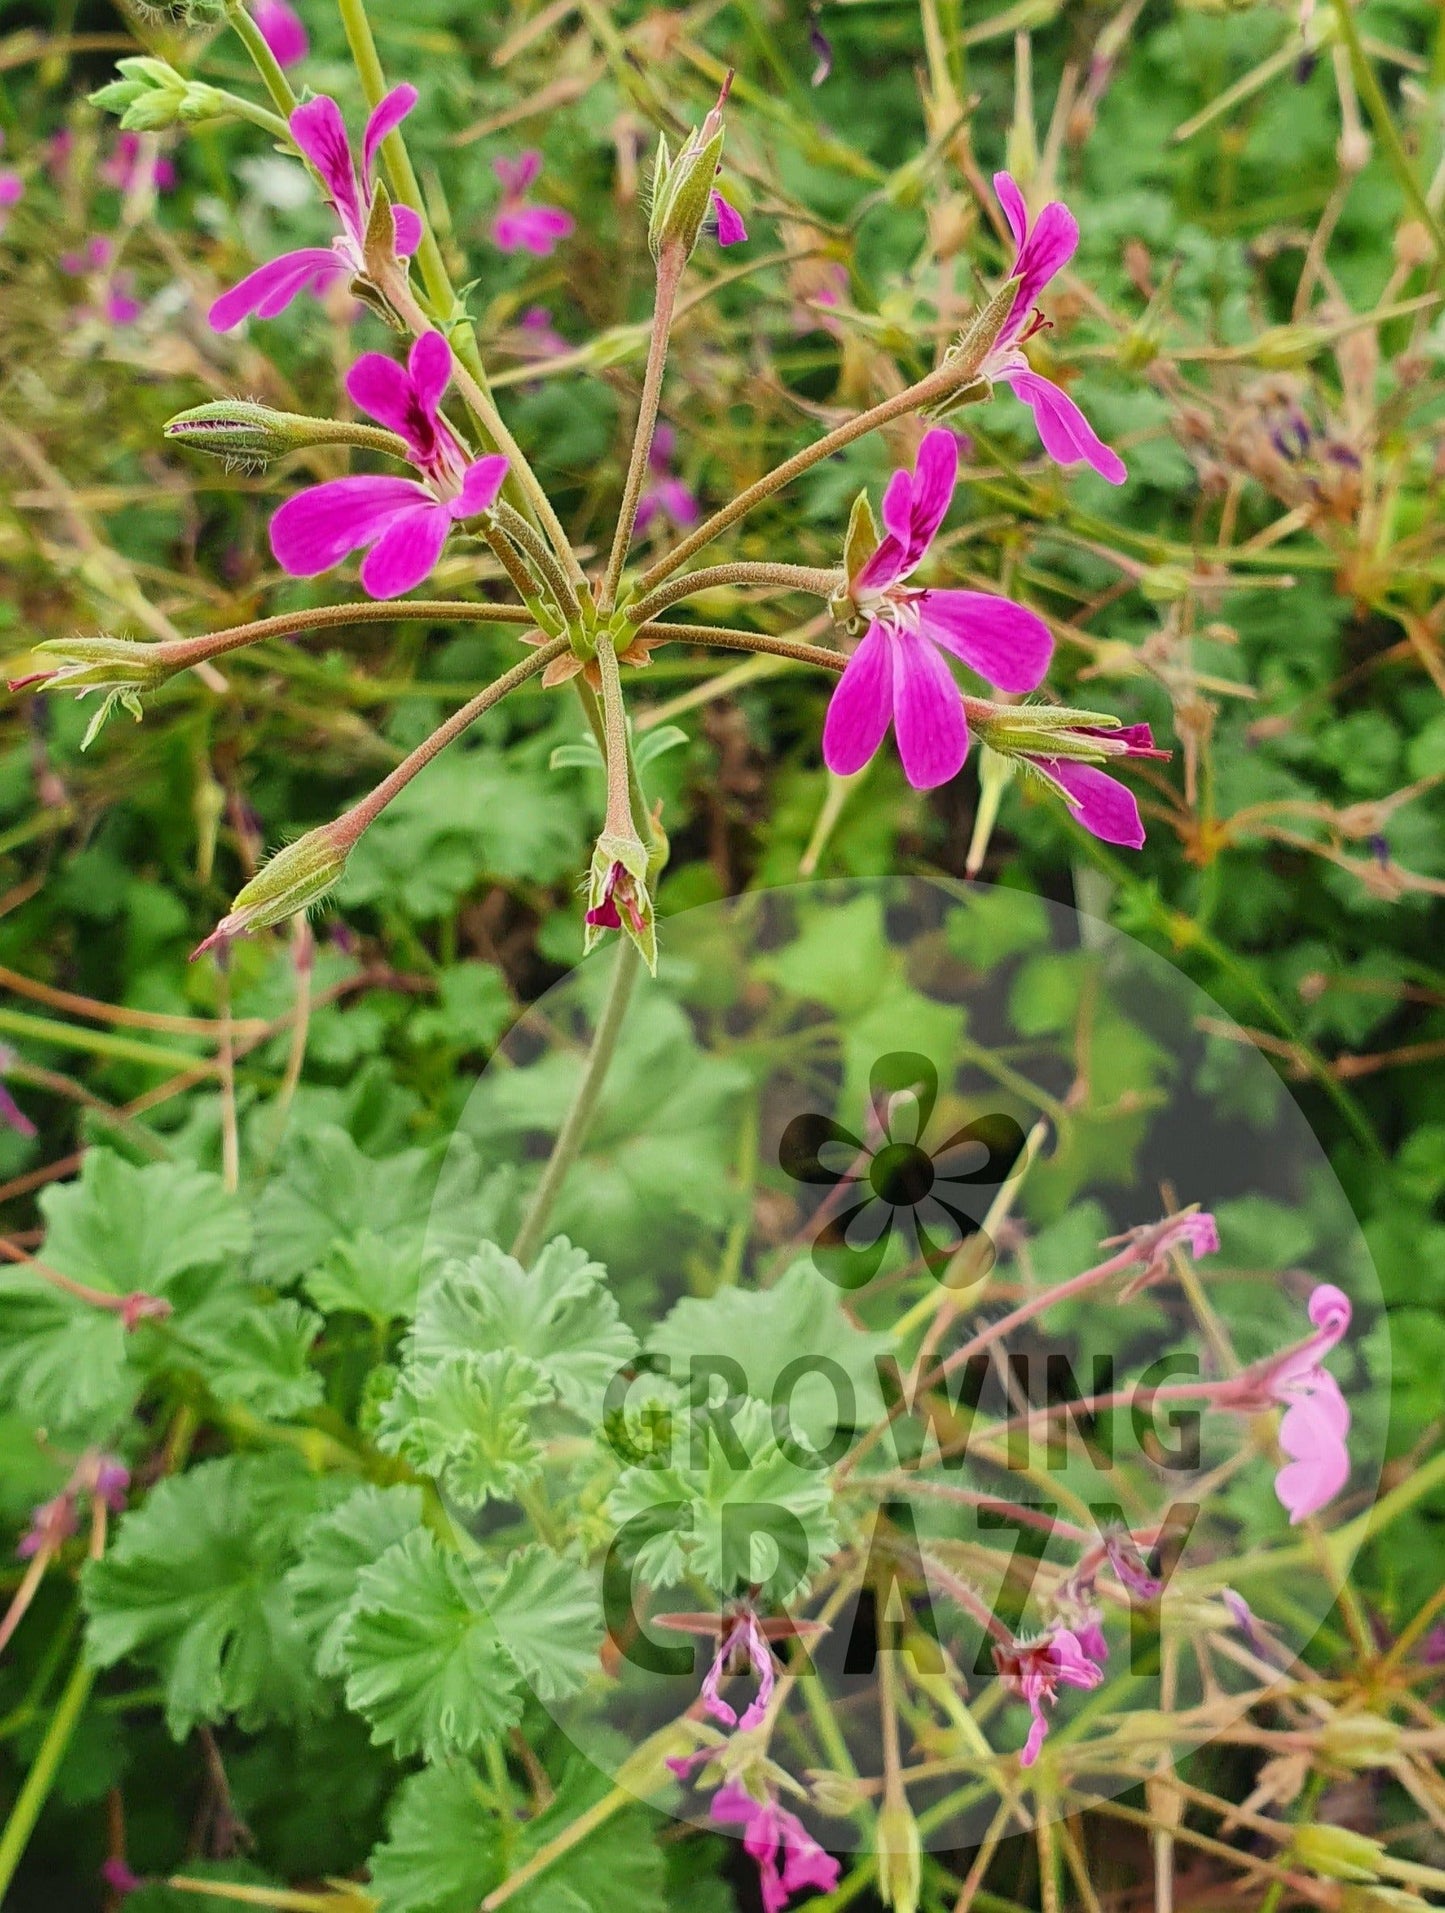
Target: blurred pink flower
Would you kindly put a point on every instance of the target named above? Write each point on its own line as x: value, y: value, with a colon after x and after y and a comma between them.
x: 1316, y: 1415
x: 521, y: 225
x: 788, y: 1857
x: 11, y: 1114
x: 320, y: 132
x: 898, y: 675
x: 667, y: 493
x: 539, y: 337
x: 282, y: 29
x: 405, y: 522
x: 51, y: 1524
x: 119, y: 305
x: 123, y: 168
x: 119, y: 1878
x: 1044, y: 247
x: 94, y: 256
x: 12, y: 188
x: 1032, y: 1670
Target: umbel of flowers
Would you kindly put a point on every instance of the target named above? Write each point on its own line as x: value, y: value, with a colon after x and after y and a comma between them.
x: 904, y: 633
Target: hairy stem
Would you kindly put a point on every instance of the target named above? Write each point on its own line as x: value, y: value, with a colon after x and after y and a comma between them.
x: 669, y: 277
x: 526, y: 537
x: 185, y: 651
x: 811, y: 578
x: 617, y: 749
x: 721, y: 637
x: 573, y: 1132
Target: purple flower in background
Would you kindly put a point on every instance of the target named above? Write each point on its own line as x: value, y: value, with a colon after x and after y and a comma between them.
x: 125, y: 167
x: 119, y: 305
x: 320, y: 132
x: 119, y: 1878
x: 12, y: 188
x: 667, y: 493
x: 1044, y: 247
x: 51, y: 1525
x: 540, y: 339
x: 94, y: 256
x: 898, y: 674
x: 522, y: 225
x: 1032, y: 1670
x: 788, y: 1857
x: 281, y: 27
x: 406, y: 522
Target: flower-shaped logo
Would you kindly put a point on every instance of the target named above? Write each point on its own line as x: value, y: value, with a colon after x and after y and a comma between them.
x: 891, y: 1180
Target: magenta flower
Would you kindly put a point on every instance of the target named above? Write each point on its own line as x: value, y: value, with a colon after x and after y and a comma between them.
x: 320, y: 132
x: 51, y: 1525
x: 1044, y: 247
x: 666, y: 494
x: 729, y: 222
x: 1033, y: 1670
x: 521, y: 225
x: 788, y: 1857
x: 898, y: 673
x: 619, y: 892
x: 125, y: 167
x: 119, y: 1878
x: 94, y: 256
x: 1316, y: 1416
x: 12, y: 188
x: 281, y: 27
x: 1105, y: 807
x: 747, y: 1635
x: 403, y: 520
x: 539, y: 338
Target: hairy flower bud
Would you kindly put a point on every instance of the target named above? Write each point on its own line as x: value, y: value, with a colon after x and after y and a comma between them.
x: 251, y: 434
x: 682, y: 187
x: 900, y: 1857
x: 123, y: 666
x: 151, y: 96
x: 294, y: 879
x: 1360, y: 1740
x: 1337, y: 1853
x: 618, y: 897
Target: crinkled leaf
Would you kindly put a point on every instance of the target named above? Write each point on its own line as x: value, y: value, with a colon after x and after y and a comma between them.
x: 548, y: 1613
x: 255, y: 1353
x: 465, y: 1419
x: 323, y: 1584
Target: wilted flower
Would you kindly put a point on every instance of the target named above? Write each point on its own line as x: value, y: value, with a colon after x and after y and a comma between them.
x: 522, y: 225
x: 1033, y: 1670
x: 405, y: 522
x: 283, y: 30
x: 684, y: 196
x: 1316, y: 1415
x: 1044, y: 247
x: 898, y: 675
x: 320, y: 132
x: 618, y: 896
x: 788, y: 1857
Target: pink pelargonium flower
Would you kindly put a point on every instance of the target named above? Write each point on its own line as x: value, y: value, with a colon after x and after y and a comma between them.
x: 1044, y: 247
x: 744, y: 1634
x: 727, y: 221
x: 123, y: 168
x: 405, y: 521
x: 521, y: 225
x: 320, y: 132
x: 283, y: 30
x: 788, y: 1857
x: 1105, y: 807
x: 1033, y: 1670
x: 898, y: 673
x: 1316, y: 1415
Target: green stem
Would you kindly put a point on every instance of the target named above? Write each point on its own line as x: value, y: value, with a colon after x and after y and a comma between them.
x: 584, y: 1103
x: 1373, y: 94
x: 811, y: 578
x: 268, y: 122
x: 533, y: 547
x: 722, y: 637
x: 262, y: 58
x: 617, y: 751
x: 669, y: 277
x: 41, y: 1777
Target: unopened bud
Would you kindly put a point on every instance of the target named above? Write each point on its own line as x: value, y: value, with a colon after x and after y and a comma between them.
x: 682, y: 187
x: 900, y: 1857
x: 837, y: 1795
x: 1337, y: 1853
x: 151, y: 95
x: 123, y: 666
x: 1164, y: 584
x: 294, y: 879
x: 1360, y: 1740
x: 1381, y: 1899
x: 1283, y: 347
x: 254, y: 434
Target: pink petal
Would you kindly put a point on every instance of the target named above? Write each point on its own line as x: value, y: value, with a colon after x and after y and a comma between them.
x: 430, y: 369
x: 1312, y: 1434
x: 536, y: 229
x: 517, y: 174
x: 1067, y: 435
x: 927, y: 713
x: 1103, y: 805
x: 897, y: 506
x: 1047, y: 250
x: 861, y: 706
x: 271, y: 288
x: 318, y: 528
x: 935, y: 473
x: 1330, y: 1311
x: 480, y: 487
x: 320, y: 132
x: 407, y: 229
x: 1004, y: 642
x: 387, y: 116
x: 730, y: 228
x: 384, y: 392
x: 281, y: 28
x: 407, y: 550
x: 1015, y: 209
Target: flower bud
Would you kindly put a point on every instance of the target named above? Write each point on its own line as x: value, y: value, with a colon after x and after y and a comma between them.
x: 151, y: 96
x: 618, y: 897
x: 900, y: 1857
x: 1360, y: 1740
x: 837, y: 1795
x: 253, y: 434
x: 682, y: 187
x: 1337, y: 1853
x: 122, y: 666
x: 1283, y: 347
x: 293, y: 880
